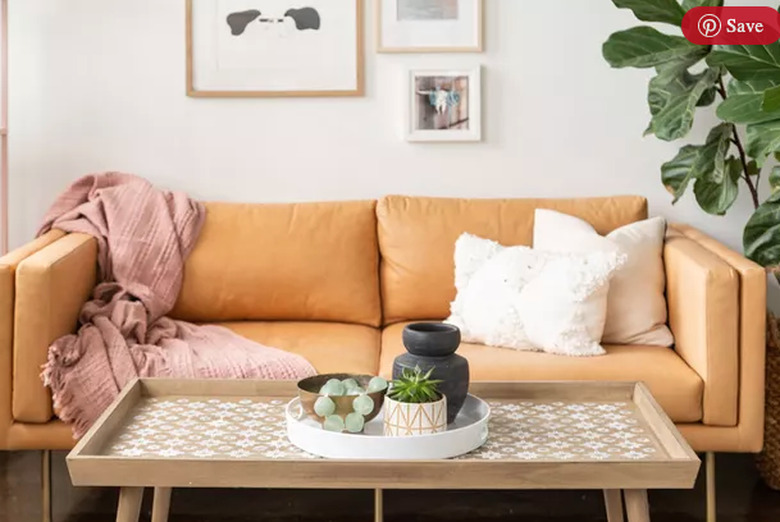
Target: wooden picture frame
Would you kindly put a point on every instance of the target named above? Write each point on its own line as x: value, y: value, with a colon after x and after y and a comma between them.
x: 195, y: 92
x: 385, y: 48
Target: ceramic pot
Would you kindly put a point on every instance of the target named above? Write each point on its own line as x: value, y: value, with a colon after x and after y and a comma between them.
x: 433, y: 345
x: 403, y: 419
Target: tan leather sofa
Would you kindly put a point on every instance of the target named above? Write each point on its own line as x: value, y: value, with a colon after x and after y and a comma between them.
x: 337, y: 281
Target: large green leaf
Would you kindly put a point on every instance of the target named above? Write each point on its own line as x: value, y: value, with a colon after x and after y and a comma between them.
x: 748, y: 62
x: 762, y: 233
x: 668, y: 11
x: 771, y: 101
x: 677, y: 173
x: 646, y: 47
x: 763, y: 139
x: 716, y: 194
x: 695, y: 162
x: 712, y: 157
x: 673, y: 96
x: 745, y: 108
x: 673, y: 77
x: 690, y: 4
x: 738, y: 87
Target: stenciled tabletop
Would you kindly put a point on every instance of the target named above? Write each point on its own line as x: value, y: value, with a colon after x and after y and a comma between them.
x: 211, y: 433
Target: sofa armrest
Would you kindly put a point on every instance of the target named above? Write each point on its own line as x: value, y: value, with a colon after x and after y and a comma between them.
x: 8, y: 264
x: 702, y: 295
x: 51, y: 287
x: 751, y: 337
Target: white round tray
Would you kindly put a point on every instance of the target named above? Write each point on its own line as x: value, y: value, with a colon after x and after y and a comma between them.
x: 467, y: 433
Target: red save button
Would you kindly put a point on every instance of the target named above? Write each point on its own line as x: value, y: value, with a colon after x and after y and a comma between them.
x: 732, y: 25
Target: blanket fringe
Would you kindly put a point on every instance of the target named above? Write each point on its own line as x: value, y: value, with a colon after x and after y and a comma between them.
x: 65, y: 404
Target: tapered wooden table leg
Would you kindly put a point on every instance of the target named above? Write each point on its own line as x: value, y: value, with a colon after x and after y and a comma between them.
x: 379, y: 514
x: 129, y: 504
x: 637, y: 508
x: 46, y: 485
x: 161, y: 505
x: 614, y: 503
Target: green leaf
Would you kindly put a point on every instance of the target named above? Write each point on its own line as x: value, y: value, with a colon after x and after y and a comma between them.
x: 673, y: 96
x: 774, y: 179
x: 763, y: 139
x: 708, y: 97
x: 717, y: 193
x: 695, y: 162
x: 743, y: 105
x: 748, y: 62
x: 745, y: 108
x: 646, y: 47
x: 752, y: 168
x: 690, y: 4
x: 668, y: 11
x: 737, y: 87
x: 771, y: 101
x: 712, y: 158
x: 761, y: 238
x: 677, y: 173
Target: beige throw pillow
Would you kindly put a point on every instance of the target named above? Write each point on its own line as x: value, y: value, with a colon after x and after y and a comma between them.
x: 636, y: 305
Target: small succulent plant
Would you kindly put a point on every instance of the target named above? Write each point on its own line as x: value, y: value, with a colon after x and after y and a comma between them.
x: 415, y: 387
x: 362, y: 405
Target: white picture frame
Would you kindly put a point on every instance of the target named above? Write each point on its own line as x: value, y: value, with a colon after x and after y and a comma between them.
x: 443, y: 105
x: 429, y: 26
x: 236, y: 51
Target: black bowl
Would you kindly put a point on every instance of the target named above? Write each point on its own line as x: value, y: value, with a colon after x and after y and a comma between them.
x: 431, y: 339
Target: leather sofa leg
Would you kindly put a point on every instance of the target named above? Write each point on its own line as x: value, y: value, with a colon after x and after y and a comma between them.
x: 712, y: 511
x: 46, y: 485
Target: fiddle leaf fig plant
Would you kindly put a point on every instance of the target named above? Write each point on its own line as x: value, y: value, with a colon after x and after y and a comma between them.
x: 744, y: 81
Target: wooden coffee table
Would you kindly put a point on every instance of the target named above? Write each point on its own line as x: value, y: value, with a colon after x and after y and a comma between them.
x: 167, y: 434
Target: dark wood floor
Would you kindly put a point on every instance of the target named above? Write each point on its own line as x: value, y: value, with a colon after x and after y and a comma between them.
x: 742, y: 498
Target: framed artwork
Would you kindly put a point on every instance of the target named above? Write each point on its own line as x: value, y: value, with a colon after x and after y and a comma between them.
x: 246, y: 48
x: 444, y: 105
x: 429, y: 26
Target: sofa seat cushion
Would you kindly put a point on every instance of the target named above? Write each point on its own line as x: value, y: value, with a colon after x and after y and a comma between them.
x: 329, y: 347
x: 673, y: 383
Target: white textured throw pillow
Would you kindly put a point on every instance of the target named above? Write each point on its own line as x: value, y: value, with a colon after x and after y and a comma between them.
x: 636, y: 308
x: 517, y: 297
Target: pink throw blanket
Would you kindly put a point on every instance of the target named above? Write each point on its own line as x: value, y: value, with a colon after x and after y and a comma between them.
x: 144, y: 236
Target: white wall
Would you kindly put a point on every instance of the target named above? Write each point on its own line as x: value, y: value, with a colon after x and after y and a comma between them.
x: 99, y: 85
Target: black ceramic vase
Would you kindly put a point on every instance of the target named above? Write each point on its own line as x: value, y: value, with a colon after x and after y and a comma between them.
x: 433, y: 345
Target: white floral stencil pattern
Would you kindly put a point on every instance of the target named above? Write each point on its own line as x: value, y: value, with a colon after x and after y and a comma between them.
x: 254, y: 428
x: 584, y: 431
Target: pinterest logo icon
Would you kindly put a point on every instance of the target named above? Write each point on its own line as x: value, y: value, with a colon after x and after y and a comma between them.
x: 709, y: 26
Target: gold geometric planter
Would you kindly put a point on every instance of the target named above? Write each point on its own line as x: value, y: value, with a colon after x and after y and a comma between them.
x: 404, y: 420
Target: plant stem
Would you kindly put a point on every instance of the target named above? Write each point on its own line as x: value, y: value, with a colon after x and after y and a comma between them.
x: 746, y: 176
x: 742, y: 156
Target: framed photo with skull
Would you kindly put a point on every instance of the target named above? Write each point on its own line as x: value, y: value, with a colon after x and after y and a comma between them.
x: 444, y: 105
x: 245, y: 48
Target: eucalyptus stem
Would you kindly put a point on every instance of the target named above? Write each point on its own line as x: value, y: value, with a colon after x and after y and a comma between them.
x: 742, y: 156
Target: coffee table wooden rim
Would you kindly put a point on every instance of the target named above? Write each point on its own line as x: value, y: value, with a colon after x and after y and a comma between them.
x: 676, y: 468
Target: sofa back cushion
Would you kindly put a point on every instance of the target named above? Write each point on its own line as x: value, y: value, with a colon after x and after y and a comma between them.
x: 417, y: 239
x: 303, y: 261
